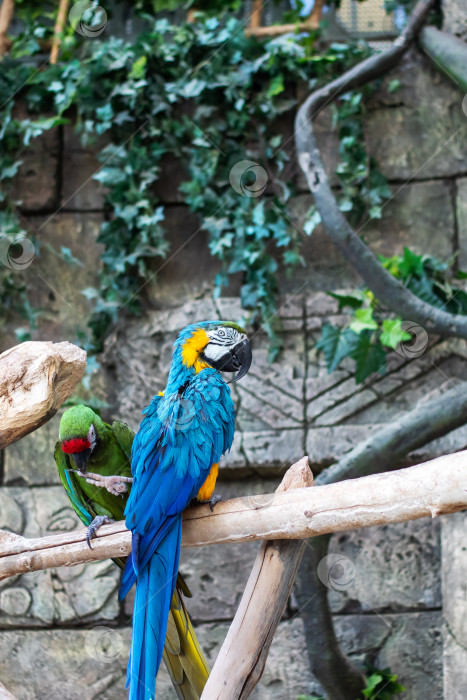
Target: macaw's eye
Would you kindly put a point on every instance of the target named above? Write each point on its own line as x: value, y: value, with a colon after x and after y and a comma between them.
x: 222, y: 333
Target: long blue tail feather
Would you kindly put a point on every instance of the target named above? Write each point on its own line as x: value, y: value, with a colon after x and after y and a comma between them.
x: 154, y: 590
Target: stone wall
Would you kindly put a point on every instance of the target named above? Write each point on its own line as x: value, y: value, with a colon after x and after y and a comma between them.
x: 402, y: 604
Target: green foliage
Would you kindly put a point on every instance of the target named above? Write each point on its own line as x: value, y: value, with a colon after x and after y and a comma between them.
x: 380, y: 685
x: 372, y: 331
x: 209, y: 97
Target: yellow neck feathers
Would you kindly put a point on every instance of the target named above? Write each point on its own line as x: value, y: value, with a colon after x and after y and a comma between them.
x: 192, y: 348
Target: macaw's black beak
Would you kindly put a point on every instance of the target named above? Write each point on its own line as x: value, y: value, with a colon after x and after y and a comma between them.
x: 81, y: 459
x: 238, y: 360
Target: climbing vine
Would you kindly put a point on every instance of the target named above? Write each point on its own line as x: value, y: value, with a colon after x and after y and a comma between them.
x: 212, y: 99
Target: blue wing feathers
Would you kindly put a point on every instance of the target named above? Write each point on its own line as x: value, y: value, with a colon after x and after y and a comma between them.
x: 180, y: 438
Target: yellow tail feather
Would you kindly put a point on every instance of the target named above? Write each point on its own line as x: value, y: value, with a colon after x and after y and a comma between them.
x: 184, y: 659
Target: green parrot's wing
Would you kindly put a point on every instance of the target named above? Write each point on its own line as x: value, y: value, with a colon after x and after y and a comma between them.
x: 72, y: 486
x: 124, y: 436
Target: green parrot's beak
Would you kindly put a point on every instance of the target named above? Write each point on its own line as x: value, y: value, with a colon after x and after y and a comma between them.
x: 81, y: 459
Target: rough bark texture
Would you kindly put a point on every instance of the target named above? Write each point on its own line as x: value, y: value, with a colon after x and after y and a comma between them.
x: 35, y: 379
x: 241, y: 660
x: 430, y: 489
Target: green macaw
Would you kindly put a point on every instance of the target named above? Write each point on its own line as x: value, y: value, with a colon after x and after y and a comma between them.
x: 101, y: 453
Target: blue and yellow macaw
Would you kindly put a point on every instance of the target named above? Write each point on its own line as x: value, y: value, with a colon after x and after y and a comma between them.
x: 175, y: 458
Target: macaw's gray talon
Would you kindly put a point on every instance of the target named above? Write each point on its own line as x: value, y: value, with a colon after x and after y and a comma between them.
x: 98, y: 521
x: 211, y: 502
x: 214, y: 499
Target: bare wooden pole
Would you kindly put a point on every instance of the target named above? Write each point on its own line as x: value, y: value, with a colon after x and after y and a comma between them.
x: 429, y: 489
x: 255, y: 29
x: 58, y: 31
x: 5, y: 694
x: 35, y: 379
x: 6, y: 15
x: 240, y: 662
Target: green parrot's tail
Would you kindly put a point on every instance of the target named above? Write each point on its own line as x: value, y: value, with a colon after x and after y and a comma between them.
x: 183, y: 656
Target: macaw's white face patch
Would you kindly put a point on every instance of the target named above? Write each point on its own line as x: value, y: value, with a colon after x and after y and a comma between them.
x: 221, y: 340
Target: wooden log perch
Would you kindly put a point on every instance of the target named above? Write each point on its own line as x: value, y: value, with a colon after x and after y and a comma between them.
x: 7, y: 9
x: 58, y: 31
x: 35, y: 379
x: 240, y: 662
x: 429, y: 489
x: 5, y: 694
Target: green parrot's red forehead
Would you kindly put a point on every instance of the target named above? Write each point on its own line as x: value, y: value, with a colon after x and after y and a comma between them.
x: 75, y: 445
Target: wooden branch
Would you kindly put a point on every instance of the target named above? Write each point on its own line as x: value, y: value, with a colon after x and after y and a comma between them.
x: 58, y: 31
x: 255, y: 29
x: 6, y: 15
x: 240, y: 662
x: 386, y: 447
x: 447, y: 53
x: 5, y: 694
x: 429, y: 489
x: 35, y: 379
x: 385, y: 287
x: 255, y: 16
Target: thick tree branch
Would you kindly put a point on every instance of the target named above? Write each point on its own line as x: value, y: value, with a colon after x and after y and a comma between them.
x: 35, y: 379
x: 447, y: 53
x: 430, y: 489
x: 240, y: 662
x: 387, y: 288
x: 411, y: 430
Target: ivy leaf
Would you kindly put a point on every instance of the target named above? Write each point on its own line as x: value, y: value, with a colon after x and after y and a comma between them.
x: 258, y: 214
x: 90, y: 293
x: 312, y: 221
x: 336, y: 344
x: 411, y: 264
x: 193, y: 88
x: 363, y: 321
x: 392, y: 334
x: 110, y: 176
x: 353, y: 300
x: 371, y: 683
x: 394, y: 85
x: 369, y: 357
x: 423, y: 289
